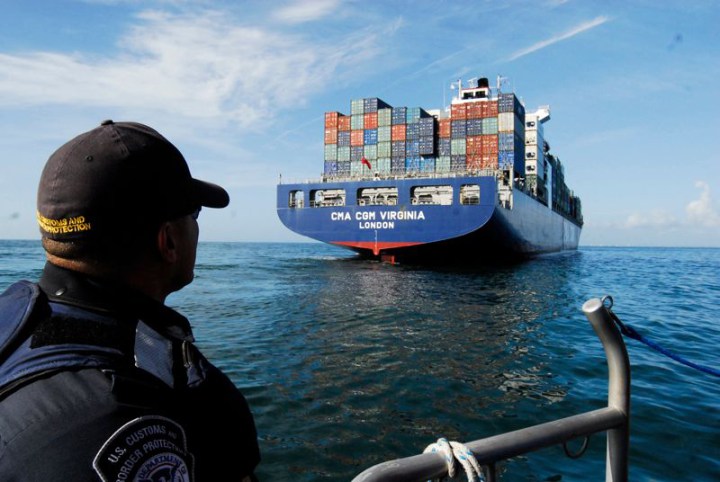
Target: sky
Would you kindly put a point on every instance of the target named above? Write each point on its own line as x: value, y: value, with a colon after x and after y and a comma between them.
x: 241, y: 88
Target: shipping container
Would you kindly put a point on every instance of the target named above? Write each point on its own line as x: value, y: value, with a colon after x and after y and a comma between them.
x: 458, y: 129
x: 384, y: 117
x: 458, y: 147
x: 426, y: 145
x: 490, y: 125
x: 357, y: 153
x: 427, y: 126
x: 397, y: 149
x: 412, y: 148
x: 370, y: 152
x: 397, y: 164
x: 370, y: 120
x: 427, y: 164
x: 414, y: 114
x: 382, y: 165
x: 442, y: 164
x: 370, y: 136
x: 412, y: 131
x: 331, y: 136
x: 457, y: 163
x: 343, y: 168
x: 345, y: 123
x: 412, y: 164
x: 331, y: 120
x: 384, y: 133
x: 445, y: 128
x: 444, y: 147
x: 331, y: 152
x: 356, y: 107
x: 343, y: 138
x: 331, y: 168
x: 357, y: 137
x: 384, y: 149
x: 458, y: 111
x: 397, y: 132
x: 343, y: 154
x: 373, y: 104
x: 474, y: 127
x: 357, y: 122
x: 399, y: 115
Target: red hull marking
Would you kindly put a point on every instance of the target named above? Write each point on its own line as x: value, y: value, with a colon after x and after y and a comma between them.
x: 373, y: 246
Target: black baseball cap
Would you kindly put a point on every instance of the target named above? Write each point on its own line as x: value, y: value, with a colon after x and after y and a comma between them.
x: 115, y: 178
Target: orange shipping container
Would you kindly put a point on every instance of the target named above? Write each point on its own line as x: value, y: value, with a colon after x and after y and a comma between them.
x: 489, y: 161
x: 397, y: 132
x: 445, y: 128
x: 458, y: 111
x: 344, y: 122
x: 371, y: 121
x: 331, y: 136
x: 331, y: 120
x: 357, y: 137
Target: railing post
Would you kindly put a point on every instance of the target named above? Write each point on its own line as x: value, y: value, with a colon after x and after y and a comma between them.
x: 618, y: 439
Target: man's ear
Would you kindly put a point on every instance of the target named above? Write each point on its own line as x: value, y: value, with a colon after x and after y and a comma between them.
x: 166, y: 242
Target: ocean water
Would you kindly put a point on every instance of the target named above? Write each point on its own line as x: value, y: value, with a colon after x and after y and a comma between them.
x: 348, y: 363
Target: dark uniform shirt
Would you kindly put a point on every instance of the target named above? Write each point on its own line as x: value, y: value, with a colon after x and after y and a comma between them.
x: 105, y: 384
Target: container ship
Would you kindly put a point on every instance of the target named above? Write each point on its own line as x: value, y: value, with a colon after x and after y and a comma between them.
x: 472, y: 182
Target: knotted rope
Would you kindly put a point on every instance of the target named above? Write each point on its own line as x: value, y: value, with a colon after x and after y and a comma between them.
x: 455, y: 452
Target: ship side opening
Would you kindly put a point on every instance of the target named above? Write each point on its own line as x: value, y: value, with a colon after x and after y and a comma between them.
x: 377, y: 196
x: 323, y: 198
x: 470, y: 194
x: 296, y: 199
x: 439, y: 195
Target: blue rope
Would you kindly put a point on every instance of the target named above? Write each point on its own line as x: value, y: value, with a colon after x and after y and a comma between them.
x: 630, y: 332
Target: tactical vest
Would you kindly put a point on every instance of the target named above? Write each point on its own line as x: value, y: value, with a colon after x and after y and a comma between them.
x: 39, y: 336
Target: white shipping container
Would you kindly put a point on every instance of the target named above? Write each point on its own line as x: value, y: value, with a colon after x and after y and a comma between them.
x: 458, y: 147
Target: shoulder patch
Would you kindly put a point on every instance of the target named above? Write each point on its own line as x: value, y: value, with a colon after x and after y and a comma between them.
x: 147, y: 449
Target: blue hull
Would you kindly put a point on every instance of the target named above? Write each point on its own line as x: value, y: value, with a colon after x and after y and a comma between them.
x: 416, y: 232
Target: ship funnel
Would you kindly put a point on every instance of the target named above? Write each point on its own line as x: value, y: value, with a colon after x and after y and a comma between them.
x: 483, y: 82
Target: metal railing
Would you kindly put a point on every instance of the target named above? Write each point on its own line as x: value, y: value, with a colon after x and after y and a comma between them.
x: 613, y: 419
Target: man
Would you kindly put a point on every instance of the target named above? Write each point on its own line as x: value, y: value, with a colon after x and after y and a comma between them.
x: 99, y: 380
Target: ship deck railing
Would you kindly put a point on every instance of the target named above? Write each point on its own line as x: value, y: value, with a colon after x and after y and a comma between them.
x: 614, y: 419
x: 325, y: 178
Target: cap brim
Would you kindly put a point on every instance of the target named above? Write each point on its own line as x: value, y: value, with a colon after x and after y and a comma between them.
x: 210, y: 195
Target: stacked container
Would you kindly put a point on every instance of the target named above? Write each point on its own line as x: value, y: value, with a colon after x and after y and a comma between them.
x: 392, y: 140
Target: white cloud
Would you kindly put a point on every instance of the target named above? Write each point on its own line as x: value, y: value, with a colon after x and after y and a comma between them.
x: 703, y: 211
x: 655, y: 219
x: 195, y: 66
x: 305, y: 10
x: 563, y: 36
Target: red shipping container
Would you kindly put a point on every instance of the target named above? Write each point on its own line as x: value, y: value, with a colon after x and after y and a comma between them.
x: 489, y: 144
x: 458, y: 111
x: 474, y: 145
x: 473, y: 162
x: 357, y: 137
x: 344, y: 122
x: 475, y: 110
x: 331, y: 120
x: 490, y: 109
x: 370, y: 121
x: 397, y: 132
x: 331, y: 136
x: 489, y: 161
x: 445, y: 128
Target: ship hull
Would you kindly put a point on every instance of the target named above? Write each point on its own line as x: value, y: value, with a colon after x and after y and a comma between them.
x: 491, y: 229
